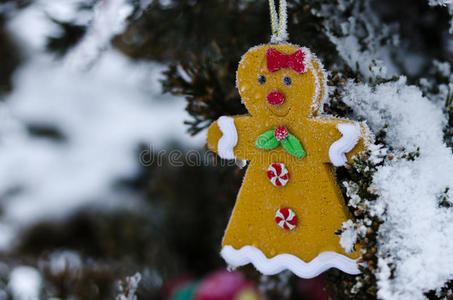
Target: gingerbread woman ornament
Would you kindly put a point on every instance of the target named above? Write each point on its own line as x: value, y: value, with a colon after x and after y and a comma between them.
x: 289, y: 205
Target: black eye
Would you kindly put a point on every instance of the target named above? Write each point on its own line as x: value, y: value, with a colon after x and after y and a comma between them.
x: 287, y: 80
x: 261, y: 79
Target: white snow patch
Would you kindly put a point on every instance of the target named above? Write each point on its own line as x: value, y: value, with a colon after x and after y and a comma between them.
x: 25, y: 283
x: 415, y: 237
x: 109, y: 19
x: 350, y: 234
x: 129, y: 287
x: 443, y: 68
x: 103, y: 115
x: 348, y: 47
x: 63, y: 261
x: 362, y: 28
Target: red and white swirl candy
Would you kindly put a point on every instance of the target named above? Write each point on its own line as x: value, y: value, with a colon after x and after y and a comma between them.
x: 286, y: 218
x: 278, y: 174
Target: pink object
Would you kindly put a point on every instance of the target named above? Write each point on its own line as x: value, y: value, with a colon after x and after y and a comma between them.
x: 221, y: 285
x: 275, y: 98
x: 280, y: 133
x: 286, y: 218
x: 277, y: 61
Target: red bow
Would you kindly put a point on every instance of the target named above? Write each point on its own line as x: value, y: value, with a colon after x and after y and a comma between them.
x: 277, y: 61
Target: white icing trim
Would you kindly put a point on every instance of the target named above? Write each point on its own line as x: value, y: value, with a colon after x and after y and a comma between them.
x: 338, y: 150
x: 270, y: 266
x: 229, y: 138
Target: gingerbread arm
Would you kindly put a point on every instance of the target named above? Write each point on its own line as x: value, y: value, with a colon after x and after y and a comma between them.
x: 342, y: 140
x: 226, y: 137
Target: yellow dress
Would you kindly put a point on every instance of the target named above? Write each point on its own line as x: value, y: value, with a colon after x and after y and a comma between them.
x: 253, y: 235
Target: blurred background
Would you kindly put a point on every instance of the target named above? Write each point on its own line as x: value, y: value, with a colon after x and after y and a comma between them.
x: 107, y: 190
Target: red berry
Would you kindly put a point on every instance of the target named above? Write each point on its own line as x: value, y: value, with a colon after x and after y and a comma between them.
x: 275, y: 98
x: 280, y: 133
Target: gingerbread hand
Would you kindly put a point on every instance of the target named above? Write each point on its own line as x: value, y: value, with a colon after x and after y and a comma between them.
x: 338, y: 150
x: 224, y: 137
x: 229, y: 138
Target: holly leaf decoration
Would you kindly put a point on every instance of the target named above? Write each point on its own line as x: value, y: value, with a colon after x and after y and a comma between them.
x: 293, y: 146
x: 267, y: 141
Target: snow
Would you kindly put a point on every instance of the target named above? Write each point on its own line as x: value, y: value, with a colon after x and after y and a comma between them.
x: 129, y: 287
x: 347, y: 46
x: 443, y: 98
x: 350, y: 34
x: 350, y: 234
x: 415, y: 250
x: 415, y: 236
x: 64, y: 261
x: 444, y: 68
x: 25, y: 283
x: 102, y: 114
x: 108, y: 20
x: 445, y: 3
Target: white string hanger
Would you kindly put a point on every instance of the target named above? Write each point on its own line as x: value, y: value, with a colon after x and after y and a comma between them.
x: 279, y: 23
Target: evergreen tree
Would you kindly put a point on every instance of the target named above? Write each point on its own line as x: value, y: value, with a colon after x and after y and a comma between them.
x: 186, y: 208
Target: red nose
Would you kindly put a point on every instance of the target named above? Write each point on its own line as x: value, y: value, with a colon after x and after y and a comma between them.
x: 275, y: 98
